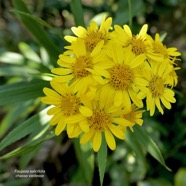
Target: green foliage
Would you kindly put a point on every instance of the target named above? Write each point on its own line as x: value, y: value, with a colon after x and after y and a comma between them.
x: 37, y: 31
x: 102, y: 160
x: 85, y: 157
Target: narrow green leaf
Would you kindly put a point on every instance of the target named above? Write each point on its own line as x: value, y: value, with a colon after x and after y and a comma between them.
x: 149, y: 145
x: 28, y: 52
x: 163, y: 36
x: 77, y: 10
x: 133, y: 142
x: 42, y: 22
x: 19, y: 151
x: 38, y: 123
x: 17, y: 71
x: 85, y: 157
x: 26, y: 158
x: 22, y: 91
x: 19, y: 111
x: 37, y: 31
x: 12, y: 58
x: 29, y: 147
x: 102, y: 159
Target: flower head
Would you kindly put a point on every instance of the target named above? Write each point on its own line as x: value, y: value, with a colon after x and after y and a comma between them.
x: 103, y: 77
x: 156, y: 89
x: 93, y: 34
x: 168, y: 54
x: 122, y: 76
x: 78, y: 68
x: 138, y: 43
x: 65, y: 111
x: 105, y: 120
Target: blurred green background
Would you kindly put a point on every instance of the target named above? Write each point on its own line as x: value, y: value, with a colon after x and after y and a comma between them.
x: 22, y: 53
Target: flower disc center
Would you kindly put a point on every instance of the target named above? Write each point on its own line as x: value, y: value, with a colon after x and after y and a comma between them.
x: 92, y: 39
x: 99, y: 120
x: 156, y: 86
x: 138, y: 46
x: 79, y: 68
x: 121, y: 76
x: 69, y: 104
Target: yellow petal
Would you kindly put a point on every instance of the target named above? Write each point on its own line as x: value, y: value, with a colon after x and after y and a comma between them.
x: 138, y: 61
x: 75, y: 133
x: 60, y: 127
x: 143, y: 30
x: 70, y: 38
x: 118, y: 99
x: 86, y: 137
x: 97, y: 49
x: 110, y: 140
x: 121, y: 121
x: 49, y: 100
x: 55, y: 119
x: 85, y: 111
x: 165, y: 103
x: 53, y: 110
x: 169, y: 95
x: 79, y: 31
x: 51, y: 93
x: 126, y: 99
x: 59, y: 87
x: 97, y: 141
x: 61, y: 71
x: 75, y: 118
x: 63, y: 79
x: 133, y: 96
x: 157, y: 102
x: 139, y: 121
x: 127, y: 30
x: 84, y: 126
x: 116, y: 131
x: 152, y: 107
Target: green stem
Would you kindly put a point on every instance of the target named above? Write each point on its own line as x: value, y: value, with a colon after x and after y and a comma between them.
x: 77, y: 10
x: 130, y: 13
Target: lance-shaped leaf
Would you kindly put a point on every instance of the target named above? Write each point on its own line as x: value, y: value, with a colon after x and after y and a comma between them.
x: 37, y: 31
x: 36, y: 124
x: 22, y: 91
x: 85, y: 157
x: 148, y: 143
x: 102, y: 160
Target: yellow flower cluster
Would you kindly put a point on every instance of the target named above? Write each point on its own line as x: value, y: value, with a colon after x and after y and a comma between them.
x: 104, y: 76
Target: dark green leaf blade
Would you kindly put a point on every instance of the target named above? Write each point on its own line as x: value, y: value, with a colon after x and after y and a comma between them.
x: 77, y: 10
x: 29, y: 147
x: 86, y: 159
x: 149, y: 145
x: 22, y: 91
x: 37, y: 123
x: 133, y: 142
x: 102, y: 160
x: 37, y: 31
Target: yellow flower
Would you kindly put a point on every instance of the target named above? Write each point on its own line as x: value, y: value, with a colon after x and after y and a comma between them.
x: 65, y: 111
x: 105, y: 119
x: 139, y: 43
x: 122, y: 76
x: 92, y: 35
x: 155, y: 87
x: 173, y: 78
x: 169, y: 54
x: 77, y: 68
x: 134, y: 116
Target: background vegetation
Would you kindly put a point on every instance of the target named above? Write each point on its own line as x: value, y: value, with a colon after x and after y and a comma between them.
x: 29, y: 48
